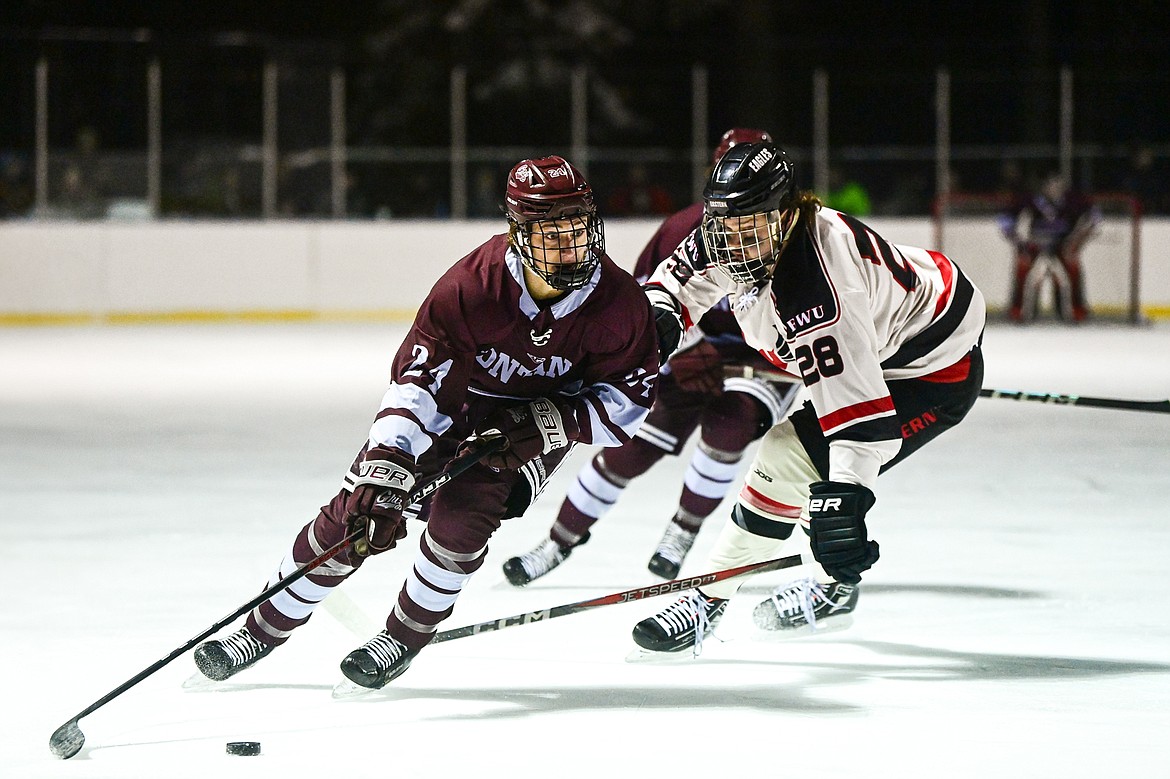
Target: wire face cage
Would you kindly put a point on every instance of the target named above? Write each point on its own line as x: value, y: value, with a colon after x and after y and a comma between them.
x: 743, y: 247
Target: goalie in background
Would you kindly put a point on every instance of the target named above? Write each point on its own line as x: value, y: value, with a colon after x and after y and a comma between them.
x: 1048, y: 230
x: 711, y: 384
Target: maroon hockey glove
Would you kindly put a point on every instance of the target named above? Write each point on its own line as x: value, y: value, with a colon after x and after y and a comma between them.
x: 837, y: 533
x: 385, y: 478
x: 532, y: 429
x: 698, y: 369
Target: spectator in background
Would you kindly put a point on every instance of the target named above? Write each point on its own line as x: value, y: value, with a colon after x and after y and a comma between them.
x: 485, y: 199
x: 639, y: 196
x: 16, y: 197
x: 1146, y: 182
x: 79, y: 192
x: 847, y: 195
x: 1048, y: 230
x: 76, y: 198
x: 1011, y: 179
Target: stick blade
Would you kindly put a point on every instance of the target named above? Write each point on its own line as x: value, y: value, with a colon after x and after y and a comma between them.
x: 67, y: 740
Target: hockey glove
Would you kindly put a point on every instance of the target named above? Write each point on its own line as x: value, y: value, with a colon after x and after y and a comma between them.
x: 381, y: 489
x: 837, y: 531
x: 531, y: 430
x: 698, y: 369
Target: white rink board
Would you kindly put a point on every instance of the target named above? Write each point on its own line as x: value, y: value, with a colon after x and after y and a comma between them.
x: 100, y: 270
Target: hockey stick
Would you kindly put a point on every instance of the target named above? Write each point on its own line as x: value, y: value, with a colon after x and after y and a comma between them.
x: 1158, y: 406
x: 638, y: 593
x: 68, y: 739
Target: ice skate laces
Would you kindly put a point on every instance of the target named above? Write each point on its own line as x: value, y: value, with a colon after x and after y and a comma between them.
x: 800, y: 597
x: 687, y: 613
x: 384, y: 649
x: 241, y: 647
x: 676, y: 542
x: 542, y: 559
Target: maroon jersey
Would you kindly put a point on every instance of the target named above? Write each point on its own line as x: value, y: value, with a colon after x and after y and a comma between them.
x: 480, y: 341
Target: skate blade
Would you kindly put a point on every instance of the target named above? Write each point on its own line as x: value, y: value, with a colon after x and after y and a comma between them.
x: 197, y: 682
x: 646, y: 657
x: 345, y: 690
x: 823, y: 628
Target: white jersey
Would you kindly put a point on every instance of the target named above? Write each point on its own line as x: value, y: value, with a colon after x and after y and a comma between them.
x: 847, y: 311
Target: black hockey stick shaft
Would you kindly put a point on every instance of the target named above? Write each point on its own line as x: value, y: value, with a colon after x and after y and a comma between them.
x: 638, y: 593
x: 1157, y: 406
x: 68, y: 739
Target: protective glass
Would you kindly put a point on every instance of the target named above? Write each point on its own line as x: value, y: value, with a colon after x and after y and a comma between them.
x: 743, y: 247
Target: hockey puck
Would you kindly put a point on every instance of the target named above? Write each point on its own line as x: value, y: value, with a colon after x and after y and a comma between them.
x: 245, y: 748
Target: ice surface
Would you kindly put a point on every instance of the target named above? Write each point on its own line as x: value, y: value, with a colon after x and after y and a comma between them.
x: 1018, y: 624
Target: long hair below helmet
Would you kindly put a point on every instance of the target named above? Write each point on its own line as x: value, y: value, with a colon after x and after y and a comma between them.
x: 553, y: 222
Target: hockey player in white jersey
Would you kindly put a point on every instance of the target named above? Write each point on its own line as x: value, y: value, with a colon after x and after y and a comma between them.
x: 886, y: 339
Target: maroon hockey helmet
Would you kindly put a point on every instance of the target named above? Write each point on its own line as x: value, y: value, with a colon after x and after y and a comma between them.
x: 546, y: 188
x: 548, y: 198
x: 736, y: 136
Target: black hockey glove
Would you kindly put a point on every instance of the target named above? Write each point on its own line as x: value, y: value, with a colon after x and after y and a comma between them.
x: 385, y: 478
x: 837, y: 531
x: 668, y: 322
x: 532, y: 429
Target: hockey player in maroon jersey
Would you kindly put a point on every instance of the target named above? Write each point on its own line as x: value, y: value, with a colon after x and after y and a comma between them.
x: 886, y: 339
x: 692, y: 392
x: 535, y: 334
x: 1048, y: 230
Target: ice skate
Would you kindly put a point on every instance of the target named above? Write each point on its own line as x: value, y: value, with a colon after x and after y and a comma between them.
x: 681, y: 625
x: 376, y: 663
x: 807, y: 606
x: 221, y: 659
x: 530, y: 566
x: 672, y: 550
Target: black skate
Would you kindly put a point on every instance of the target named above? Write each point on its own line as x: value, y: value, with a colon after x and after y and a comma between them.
x: 672, y: 550
x: 377, y: 662
x: 807, y: 602
x: 684, y: 623
x: 528, y: 567
x: 223, y: 658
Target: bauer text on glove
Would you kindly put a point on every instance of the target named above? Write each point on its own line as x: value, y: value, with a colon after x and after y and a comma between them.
x: 837, y: 532
x: 531, y: 429
x: 381, y: 489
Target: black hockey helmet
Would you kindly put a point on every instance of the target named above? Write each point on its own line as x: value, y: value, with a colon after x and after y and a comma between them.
x: 547, y: 199
x: 745, y: 197
x: 749, y: 179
